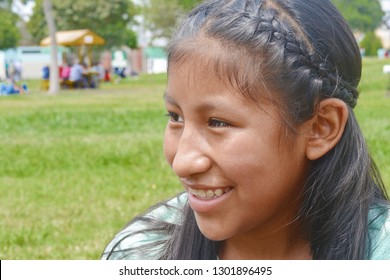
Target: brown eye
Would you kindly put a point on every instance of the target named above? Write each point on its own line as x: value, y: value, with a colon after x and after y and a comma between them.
x: 173, y: 117
x: 218, y: 123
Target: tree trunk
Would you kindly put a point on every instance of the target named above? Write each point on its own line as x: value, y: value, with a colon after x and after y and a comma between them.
x: 54, y: 79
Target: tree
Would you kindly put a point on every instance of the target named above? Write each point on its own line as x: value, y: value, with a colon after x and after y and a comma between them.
x: 110, y: 19
x: 161, y: 15
x: 6, y: 4
x: 187, y: 5
x: 362, y: 15
x: 371, y: 43
x: 37, y: 25
x: 9, y: 32
x: 54, y: 80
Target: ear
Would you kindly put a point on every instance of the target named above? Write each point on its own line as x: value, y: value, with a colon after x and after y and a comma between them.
x: 326, y: 127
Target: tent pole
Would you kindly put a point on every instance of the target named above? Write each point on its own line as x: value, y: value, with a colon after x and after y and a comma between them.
x: 89, y: 56
x: 79, y: 54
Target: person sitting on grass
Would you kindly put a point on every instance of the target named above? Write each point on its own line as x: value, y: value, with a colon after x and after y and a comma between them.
x: 13, y: 88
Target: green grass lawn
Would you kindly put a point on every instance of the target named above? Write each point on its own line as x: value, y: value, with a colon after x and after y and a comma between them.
x: 373, y: 113
x: 77, y: 166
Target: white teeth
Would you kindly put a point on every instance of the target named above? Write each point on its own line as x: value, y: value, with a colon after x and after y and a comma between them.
x: 201, y: 193
x: 209, y: 194
x: 218, y: 192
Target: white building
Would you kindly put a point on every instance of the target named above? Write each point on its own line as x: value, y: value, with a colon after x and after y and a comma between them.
x: 383, y: 32
x: 31, y: 58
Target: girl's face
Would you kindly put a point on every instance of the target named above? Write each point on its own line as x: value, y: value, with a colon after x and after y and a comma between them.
x: 242, y: 173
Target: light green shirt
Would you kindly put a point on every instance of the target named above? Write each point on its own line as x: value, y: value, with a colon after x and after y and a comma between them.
x: 131, y: 240
x: 379, y: 232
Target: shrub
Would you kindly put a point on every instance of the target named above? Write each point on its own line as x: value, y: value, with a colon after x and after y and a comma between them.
x: 371, y: 43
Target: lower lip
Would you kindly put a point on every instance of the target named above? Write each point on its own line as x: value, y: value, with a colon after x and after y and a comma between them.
x: 202, y: 205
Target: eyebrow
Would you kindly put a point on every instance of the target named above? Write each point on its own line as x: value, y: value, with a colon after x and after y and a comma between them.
x: 169, y: 99
x: 203, y: 107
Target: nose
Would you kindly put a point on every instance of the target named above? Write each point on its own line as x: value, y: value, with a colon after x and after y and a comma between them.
x: 191, y: 156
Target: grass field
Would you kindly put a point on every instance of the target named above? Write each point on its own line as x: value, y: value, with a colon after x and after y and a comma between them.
x: 77, y: 166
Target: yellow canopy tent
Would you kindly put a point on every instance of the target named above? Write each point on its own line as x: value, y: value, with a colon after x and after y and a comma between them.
x: 80, y: 37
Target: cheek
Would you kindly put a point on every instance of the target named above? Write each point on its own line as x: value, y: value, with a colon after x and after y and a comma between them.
x: 170, y: 147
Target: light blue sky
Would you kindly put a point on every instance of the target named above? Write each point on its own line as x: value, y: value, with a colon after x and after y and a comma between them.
x: 386, y: 5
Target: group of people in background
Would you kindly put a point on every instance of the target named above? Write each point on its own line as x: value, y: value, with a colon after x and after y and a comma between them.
x: 8, y: 88
x: 78, y: 75
x: 72, y: 75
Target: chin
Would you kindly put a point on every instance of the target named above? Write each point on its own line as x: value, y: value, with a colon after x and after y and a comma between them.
x: 212, y: 231
x: 213, y: 236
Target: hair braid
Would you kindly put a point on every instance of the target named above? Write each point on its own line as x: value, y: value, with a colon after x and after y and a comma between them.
x: 277, y: 47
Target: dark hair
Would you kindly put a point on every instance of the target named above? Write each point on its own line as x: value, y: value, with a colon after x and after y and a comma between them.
x: 283, y: 47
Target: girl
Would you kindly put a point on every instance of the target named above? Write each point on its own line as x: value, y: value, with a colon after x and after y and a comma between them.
x: 263, y: 137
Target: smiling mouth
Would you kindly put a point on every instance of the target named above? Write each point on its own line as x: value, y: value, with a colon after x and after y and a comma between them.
x: 208, y: 194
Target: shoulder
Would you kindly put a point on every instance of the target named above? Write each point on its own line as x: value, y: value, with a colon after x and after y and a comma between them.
x: 146, y: 231
x: 379, y: 231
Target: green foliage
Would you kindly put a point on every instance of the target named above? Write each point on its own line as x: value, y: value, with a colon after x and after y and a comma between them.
x: 109, y: 19
x: 362, y: 15
x: 187, y: 5
x: 9, y: 33
x: 132, y: 41
x: 5, y: 4
x: 161, y: 15
x: 371, y: 43
x: 37, y: 25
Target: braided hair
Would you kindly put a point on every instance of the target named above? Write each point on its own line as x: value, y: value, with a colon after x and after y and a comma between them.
x: 295, y: 53
x: 304, y: 52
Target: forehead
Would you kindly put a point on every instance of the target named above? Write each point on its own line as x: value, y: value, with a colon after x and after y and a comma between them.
x: 198, y: 78
x: 203, y: 59
x: 201, y: 53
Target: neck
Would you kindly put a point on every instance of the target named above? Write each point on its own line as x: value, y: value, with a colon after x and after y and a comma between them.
x: 287, y: 243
